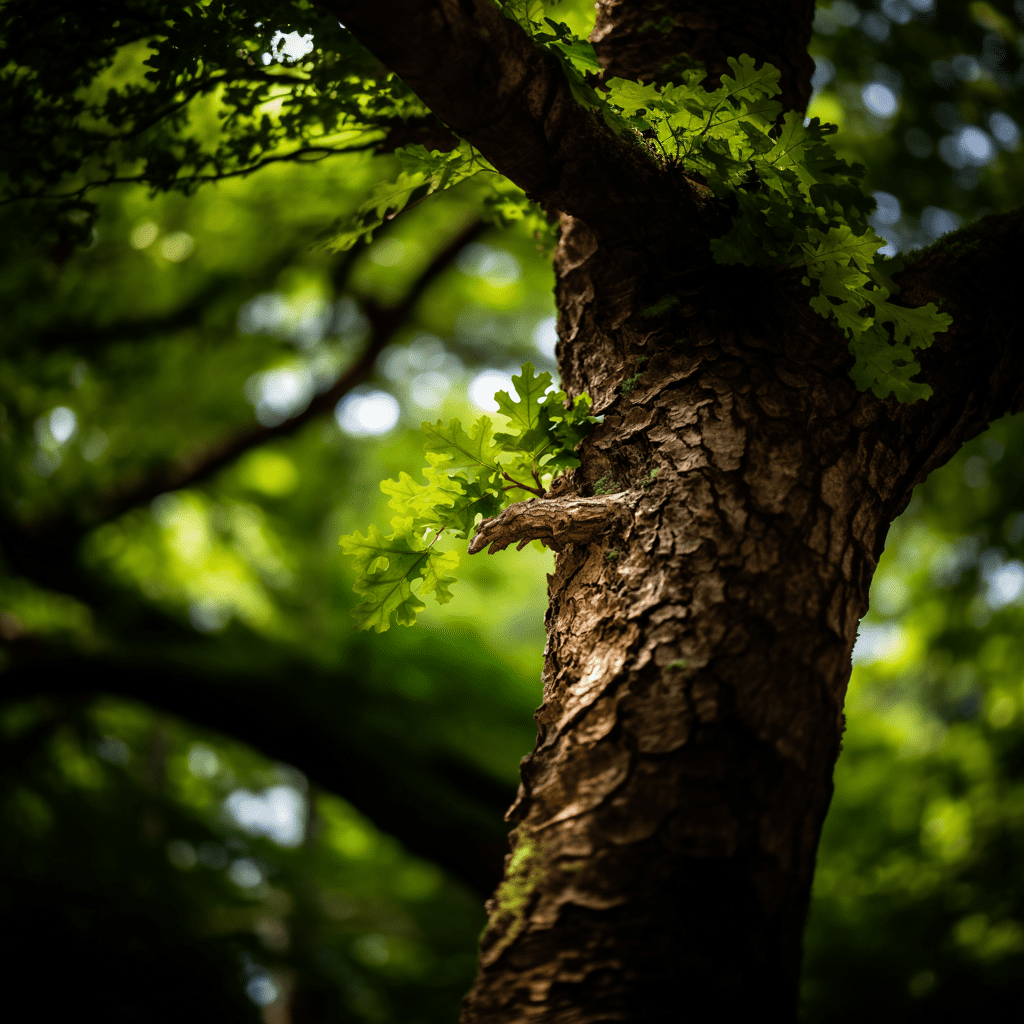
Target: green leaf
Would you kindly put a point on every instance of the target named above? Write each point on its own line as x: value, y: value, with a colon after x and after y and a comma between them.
x: 886, y: 368
x: 570, y: 422
x: 478, y: 499
x: 633, y: 96
x: 424, y: 504
x: 387, y: 568
x: 450, y: 449
x: 524, y: 411
x: 916, y: 326
x: 581, y: 54
x: 841, y: 245
x: 748, y: 81
x: 468, y: 476
x: 801, y: 150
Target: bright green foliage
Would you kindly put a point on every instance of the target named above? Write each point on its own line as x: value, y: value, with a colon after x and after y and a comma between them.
x: 576, y: 55
x: 387, y: 568
x: 798, y: 204
x: 470, y: 475
x: 422, y: 173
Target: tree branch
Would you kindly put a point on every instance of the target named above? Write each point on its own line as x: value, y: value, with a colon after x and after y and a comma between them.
x: 295, y: 156
x: 640, y: 39
x: 488, y: 81
x: 976, y: 368
x: 44, y: 549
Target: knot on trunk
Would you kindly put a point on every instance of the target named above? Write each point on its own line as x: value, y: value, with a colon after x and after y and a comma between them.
x: 555, y: 521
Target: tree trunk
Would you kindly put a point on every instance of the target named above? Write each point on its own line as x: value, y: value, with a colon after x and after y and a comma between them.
x: 716, y: 548
x: 696, y: 663
x: 699, y: 645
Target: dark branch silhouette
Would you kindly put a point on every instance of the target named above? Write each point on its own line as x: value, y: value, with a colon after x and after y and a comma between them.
x: 439, y: 807
x: 45, y: 550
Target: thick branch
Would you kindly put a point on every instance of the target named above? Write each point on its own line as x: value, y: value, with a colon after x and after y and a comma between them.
x: 976, y: 368
x: 641, y: 39
x: 557, y: 522
x: 436, y: 807
x: 486, y: 79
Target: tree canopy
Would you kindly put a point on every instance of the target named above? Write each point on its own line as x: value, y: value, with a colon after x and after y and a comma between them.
x: 235, y: 280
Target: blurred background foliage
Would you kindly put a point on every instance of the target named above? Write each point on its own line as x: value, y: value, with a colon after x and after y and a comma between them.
x: 217, y: 799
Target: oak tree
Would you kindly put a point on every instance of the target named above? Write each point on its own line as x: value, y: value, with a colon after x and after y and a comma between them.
x: 717, y: 539
x: 668, y: 819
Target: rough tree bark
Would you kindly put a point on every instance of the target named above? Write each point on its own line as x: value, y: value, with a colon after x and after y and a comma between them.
x: 702, y: 615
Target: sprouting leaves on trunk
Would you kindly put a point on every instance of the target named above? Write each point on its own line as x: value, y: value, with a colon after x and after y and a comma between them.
x: 797, y: 204
x: 470, y: 475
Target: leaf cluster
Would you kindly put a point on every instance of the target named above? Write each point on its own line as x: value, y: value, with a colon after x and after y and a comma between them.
x: 422, y: 172
x: 797, y: 204
x: 172, y: 95
x: 469, y: 476
x: 425, y: 171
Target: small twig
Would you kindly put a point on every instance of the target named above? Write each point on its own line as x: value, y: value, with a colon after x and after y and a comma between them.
x: 538, y: 490
x: 296, y: 155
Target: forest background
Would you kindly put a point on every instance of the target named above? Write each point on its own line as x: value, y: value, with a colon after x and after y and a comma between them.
x: 218, y: 799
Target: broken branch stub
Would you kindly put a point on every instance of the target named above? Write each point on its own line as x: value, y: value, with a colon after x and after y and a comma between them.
x: 557, y: 522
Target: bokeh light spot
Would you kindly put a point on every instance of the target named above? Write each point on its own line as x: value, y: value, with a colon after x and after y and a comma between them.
x: 880, y: 99
x: 144, y: 235
x: 63, y: 424
x: 244, y: 873
x: 483, y: 386
x: 367, y: 413
x: 177, y: 246
x: 279, y: 813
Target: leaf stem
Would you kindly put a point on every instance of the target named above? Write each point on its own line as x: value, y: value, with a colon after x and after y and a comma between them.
x: 526, y: 487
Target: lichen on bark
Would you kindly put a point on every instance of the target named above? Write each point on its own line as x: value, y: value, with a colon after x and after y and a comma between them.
x: 507, y: 911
